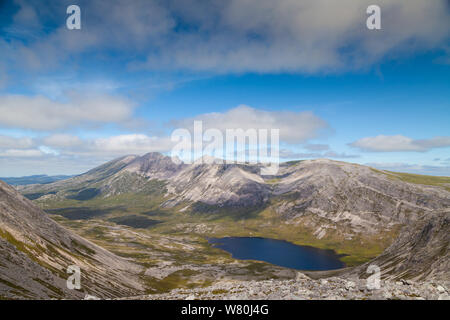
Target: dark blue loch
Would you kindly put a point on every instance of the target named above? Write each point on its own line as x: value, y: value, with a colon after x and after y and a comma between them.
x: 278, y: 252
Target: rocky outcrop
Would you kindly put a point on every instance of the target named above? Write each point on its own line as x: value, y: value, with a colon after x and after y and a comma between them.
x: 154, y: 166
x: 421, y: 252
x: 220, y: 185
x: 339, y: 190
x: 304, y: 288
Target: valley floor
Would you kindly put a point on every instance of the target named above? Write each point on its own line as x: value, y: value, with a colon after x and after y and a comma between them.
x: 174, y: 261
x: 186, y: 266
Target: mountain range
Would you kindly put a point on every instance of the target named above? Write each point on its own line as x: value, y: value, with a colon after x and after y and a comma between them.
x: 35, y: 179
x: 332, y: 196
x: 335, y: 204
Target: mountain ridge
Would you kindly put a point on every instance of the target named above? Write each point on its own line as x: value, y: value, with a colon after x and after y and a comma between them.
x: 338, y: 193
x: 34, y: 179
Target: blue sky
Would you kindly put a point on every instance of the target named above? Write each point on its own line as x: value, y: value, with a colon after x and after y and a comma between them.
x: 72, y: 99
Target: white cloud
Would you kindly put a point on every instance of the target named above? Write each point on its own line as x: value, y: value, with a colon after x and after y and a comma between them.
x: 47, y: 150
x: 21, y: 153
x: 295, y: 127
x: 339, y: 155
x: 316, y: 147
x: 289, y: 154
x: 304, y: 36
x: 62, y: 140
x: 236, y: 35
x: 130, y: 144
x: 398, y: 143
x: 7, y: 142
x: 413, y: 168
x: 66, y: 154
x: 111, y: 146
x: 436, y: 142
x: 41, y: 113
x: 23, y: 147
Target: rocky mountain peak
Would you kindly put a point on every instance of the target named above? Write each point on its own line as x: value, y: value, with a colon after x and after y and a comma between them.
x: 154, y: 165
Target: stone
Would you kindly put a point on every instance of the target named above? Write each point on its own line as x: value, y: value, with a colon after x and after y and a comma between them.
x: 441, y: 289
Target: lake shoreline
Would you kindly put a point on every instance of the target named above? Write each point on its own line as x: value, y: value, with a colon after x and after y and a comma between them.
x: 280, y: 253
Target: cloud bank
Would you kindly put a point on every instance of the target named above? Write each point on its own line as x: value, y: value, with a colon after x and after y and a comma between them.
x: 399, y: 143
x: 44, y: 114
x: 233, y: 36
x: 295, y: 127
x: 49, y: 118
x: 443, y: 170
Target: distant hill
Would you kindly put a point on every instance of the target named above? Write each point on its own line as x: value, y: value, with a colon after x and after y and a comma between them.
x: 35, y: 179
